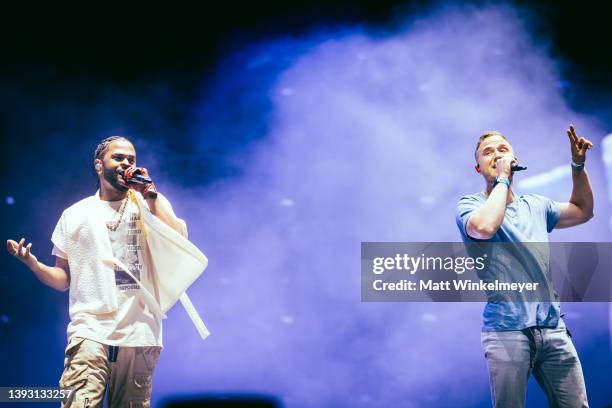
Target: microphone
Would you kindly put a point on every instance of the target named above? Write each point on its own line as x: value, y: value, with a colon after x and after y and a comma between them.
x: 517, y: 167
x: 136, y: 178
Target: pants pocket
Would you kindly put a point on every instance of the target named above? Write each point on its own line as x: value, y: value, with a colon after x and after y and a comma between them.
x: 71, y: 349
x: 146, y: 360
x: 73, y: 346
x: 150, y: 357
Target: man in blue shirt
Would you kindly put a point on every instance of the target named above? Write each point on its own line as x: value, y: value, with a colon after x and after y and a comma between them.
x: 522, y: 336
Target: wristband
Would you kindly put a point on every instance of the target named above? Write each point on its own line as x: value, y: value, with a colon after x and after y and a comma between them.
x: 502, y: 180
x: 577, y: 167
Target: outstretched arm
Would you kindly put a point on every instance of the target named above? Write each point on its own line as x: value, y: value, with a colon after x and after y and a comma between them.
x: 57, y: 277
x: 579, y: 209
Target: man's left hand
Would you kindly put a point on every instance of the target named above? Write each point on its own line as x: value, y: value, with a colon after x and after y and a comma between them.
x: 579, y: 146
x: 148, y: 191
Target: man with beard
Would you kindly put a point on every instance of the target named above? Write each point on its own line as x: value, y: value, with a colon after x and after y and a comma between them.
x: 522, y: 335
x: 103, y: 256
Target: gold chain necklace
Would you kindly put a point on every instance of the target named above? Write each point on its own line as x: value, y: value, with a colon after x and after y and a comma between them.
x: 112, y: 226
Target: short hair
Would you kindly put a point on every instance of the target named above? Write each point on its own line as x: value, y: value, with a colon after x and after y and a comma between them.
x: 486, y: 135
x: 103, y: 145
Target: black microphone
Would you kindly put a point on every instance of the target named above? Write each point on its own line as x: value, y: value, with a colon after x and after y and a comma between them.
x: 517, y: 167
x: 136, y: 178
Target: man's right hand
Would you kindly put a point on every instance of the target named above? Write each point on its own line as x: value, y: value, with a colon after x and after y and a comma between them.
x: 23, y: 254
x: 503, y: 165
x: 57, y: 277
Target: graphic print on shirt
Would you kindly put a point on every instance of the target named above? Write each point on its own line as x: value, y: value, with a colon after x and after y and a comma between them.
x: 127, y: 247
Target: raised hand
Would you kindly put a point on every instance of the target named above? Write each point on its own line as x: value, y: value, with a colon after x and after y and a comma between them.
x: 147, y: 190
x: 579, y: 146
x: 503, y: 165
x: 20, y: 252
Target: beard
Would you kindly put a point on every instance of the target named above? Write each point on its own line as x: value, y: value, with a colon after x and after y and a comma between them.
x: 111, y: 176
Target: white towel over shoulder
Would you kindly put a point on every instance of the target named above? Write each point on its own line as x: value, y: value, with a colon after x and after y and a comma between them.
x: 175, y: 261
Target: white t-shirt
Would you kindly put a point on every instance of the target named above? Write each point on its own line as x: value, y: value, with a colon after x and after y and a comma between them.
x: 133, y: 323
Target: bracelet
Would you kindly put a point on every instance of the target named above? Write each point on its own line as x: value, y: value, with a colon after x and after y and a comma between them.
x: 502, y: 180
x: 576, y: 166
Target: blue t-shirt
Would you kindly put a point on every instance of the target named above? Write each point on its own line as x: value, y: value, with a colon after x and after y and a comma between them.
x: 529, y: 218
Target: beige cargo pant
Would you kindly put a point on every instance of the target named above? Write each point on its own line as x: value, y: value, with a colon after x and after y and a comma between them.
x: 88, y: 372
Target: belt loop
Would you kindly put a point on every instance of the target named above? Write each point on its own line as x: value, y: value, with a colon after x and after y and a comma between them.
x: 112, y: 353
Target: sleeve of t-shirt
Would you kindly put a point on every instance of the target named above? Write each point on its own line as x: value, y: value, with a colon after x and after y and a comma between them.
x: 59, y: 238
x: 553, y: 212
x: 59, y: 253
x: 465, y: 208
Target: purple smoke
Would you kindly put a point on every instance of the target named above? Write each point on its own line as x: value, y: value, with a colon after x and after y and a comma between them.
x: 369, y: 138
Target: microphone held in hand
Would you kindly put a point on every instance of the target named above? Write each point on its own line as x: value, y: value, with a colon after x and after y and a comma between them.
x: 135, y: 178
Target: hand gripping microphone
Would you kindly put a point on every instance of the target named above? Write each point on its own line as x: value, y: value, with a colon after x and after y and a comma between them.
x: 136, y: 178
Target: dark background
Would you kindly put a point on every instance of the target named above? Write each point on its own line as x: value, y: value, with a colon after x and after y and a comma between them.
x: 65, y: 55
